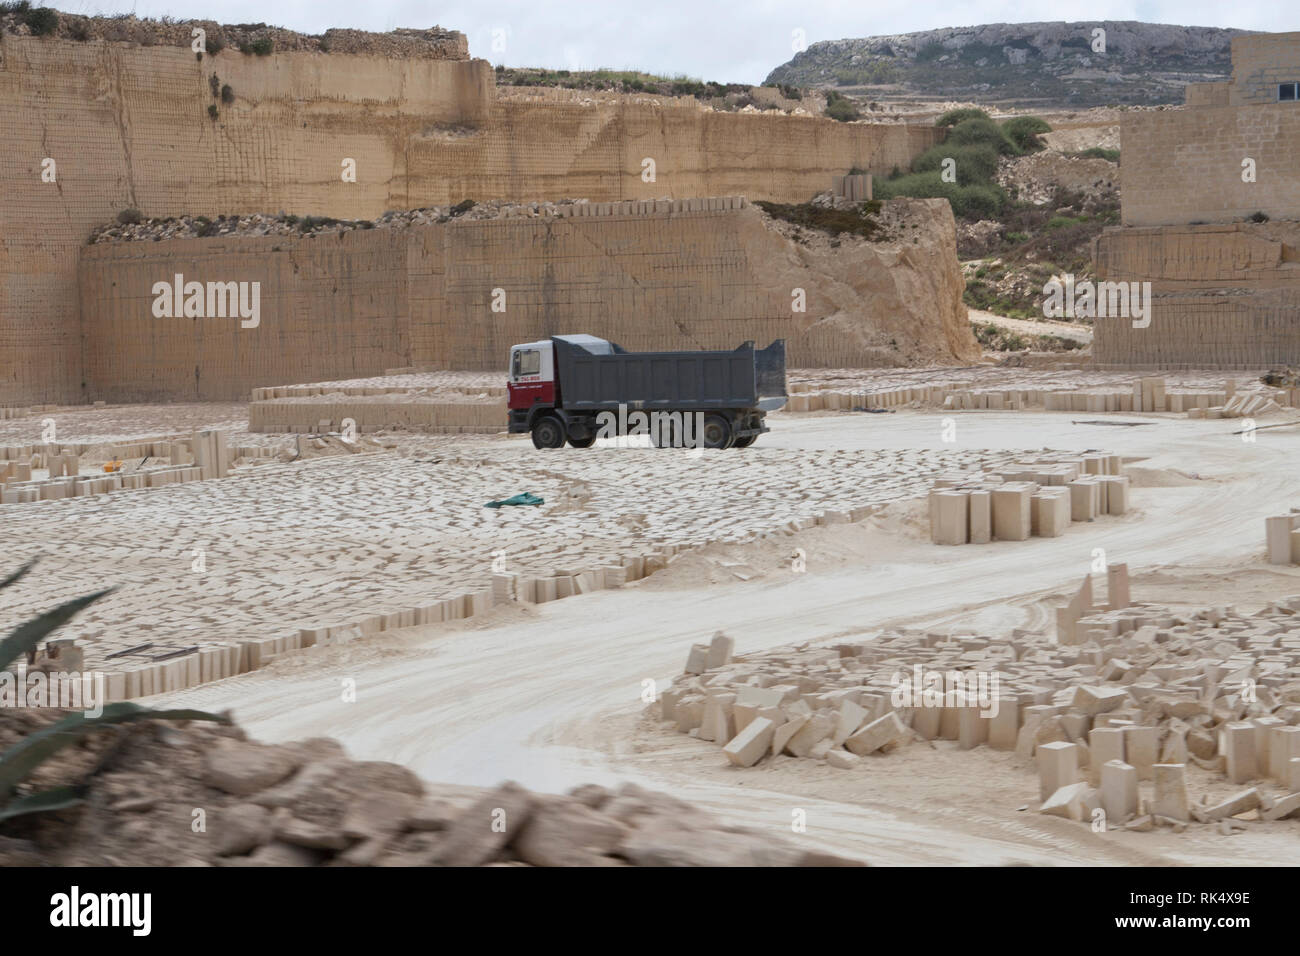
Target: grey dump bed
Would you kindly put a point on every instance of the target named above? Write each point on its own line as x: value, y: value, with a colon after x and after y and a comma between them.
x: 744, y: 378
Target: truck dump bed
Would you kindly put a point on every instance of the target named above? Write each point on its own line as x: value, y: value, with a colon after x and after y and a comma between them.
x: 743, y: 378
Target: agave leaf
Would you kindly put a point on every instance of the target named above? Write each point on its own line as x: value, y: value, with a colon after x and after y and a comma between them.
x: 57, y: 798
x: 14, y: 578
x: 22, y: 758
x: 26, y: 636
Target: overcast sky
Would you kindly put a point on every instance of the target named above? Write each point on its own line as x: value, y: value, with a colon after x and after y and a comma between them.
x: 728, y: 40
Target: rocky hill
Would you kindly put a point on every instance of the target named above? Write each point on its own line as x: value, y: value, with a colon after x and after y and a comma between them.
x: 1036, y: 65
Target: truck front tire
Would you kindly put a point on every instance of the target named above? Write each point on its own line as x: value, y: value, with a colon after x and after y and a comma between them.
x: 548, y: 432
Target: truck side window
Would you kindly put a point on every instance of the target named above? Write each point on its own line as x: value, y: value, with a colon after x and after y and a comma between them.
x: 515, y: 371
x: 529, y: 362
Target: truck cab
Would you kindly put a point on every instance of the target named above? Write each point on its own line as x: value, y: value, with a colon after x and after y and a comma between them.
x: 532, y: 375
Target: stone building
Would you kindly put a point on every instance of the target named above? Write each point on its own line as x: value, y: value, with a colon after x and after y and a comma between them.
x: 1211, y: 218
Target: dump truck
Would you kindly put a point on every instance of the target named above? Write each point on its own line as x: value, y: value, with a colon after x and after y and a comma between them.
x: 577, y: 388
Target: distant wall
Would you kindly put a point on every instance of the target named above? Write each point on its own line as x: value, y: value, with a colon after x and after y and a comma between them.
x: 128, y: 126
x: 1182, y: 166
x: 1225, y: 295
x: 1206, y: 94
x: 698, y: 273
x: 1259, y: 63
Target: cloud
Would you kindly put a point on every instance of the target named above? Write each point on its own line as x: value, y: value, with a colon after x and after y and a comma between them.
x: 707, y: 39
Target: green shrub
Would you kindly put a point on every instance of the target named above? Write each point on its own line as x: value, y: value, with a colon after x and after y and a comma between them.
x: 953, y: 117
x: 212, y: 111
x: 976, y: 131
x: 129, y: 217
x: 858, y: 221
x: 227, y: 94
x: 974, y: 201
x: 1023, y: 131
x: 214, y: 45
x: 214, y: 85
x: 42, y: 21
x: 79, y: 32
x: 462, y: 207
x: 1259, y: 217
x: 975, y: 164
x: 19, y: 6
x: 840, y: 107
x: 262, y: 46
x: 1099, y: 152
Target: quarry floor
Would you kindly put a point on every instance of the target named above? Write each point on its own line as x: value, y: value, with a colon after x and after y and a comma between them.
x: 551, y: 695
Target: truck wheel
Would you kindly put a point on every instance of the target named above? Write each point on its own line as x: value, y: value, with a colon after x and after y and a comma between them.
x: 583, y: 442
x: 717, y: 432
x: 744, y: 442
x: 548, y: 432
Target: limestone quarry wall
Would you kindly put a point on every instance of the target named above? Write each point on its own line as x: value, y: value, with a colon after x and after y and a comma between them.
x: 129, y: 127
x: 1182, y: 166
x: 1225, y: 295
x: 705, y: 273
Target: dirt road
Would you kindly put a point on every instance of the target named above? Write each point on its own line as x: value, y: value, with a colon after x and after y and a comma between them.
x: 550, y: 695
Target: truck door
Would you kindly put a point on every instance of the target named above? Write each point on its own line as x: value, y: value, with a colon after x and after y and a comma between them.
x: 532, y: 375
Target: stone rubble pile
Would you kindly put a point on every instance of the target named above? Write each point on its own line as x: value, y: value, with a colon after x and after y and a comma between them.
x: 308, y: 804
x: 285, y: 224
x: 1127, y: 709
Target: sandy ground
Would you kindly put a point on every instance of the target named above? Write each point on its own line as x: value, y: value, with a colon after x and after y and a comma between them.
x: 551, y: 695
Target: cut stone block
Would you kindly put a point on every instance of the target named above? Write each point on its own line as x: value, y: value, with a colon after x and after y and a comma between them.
x: 980, y: 529
x: 1242, y: 802
x: 1277, y: 533
x: 1114, y: 489
x: 1011, y: 511
x: 784, y: 731
x: 697, y: 661
x: 847, y: 722
x: 884, y: 732
x: 842, y: 759
x: 1140, y: 749
x: 720, y: 650
x: 1119, y: 791
x: 1070, y: 801
x: 1284, y: 746
x: 748, y: 747
x: 817, y: 729
x: 1106, y: 744
x: 1058, y: 766
x: 717, y: 723
x: 1286, y: 807
x: 1238, y: 743
x: 1050, y: 512
x: 1171, y: 792
x: 972, y: 729
x: 1099, y: 700
x: 951, y: 516
x: 1003, y: 724
x: 1084, y: 493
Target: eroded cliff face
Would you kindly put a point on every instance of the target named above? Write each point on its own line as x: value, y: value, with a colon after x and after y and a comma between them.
x: 895, y: 299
